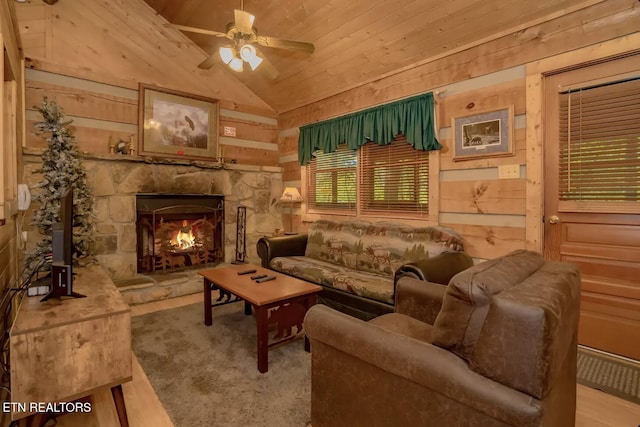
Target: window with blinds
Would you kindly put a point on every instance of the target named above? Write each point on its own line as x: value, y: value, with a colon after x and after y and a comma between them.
x: 394, y: 178
x: 600, y: 148
x: 331, y: 181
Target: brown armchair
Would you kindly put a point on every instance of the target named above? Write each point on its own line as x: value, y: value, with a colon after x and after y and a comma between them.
x: 496, y: 347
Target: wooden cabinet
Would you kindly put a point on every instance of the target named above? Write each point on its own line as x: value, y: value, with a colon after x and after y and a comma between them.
x: 64, y: 349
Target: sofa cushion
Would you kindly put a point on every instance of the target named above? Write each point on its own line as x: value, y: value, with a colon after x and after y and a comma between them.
x: 387, y: 245
x: 335, y: 242
x: 380, y: 247
x: 372, y: 286
x: 470, y: 294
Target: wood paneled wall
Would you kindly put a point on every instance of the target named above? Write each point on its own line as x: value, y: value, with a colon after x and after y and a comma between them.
x: 11, y: 116
x: 102, y: 113
x: 490, y: 213
x: 90, y: 56
x: 603, y: 21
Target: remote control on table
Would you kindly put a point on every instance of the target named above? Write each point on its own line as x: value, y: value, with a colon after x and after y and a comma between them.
x: 246, y: 271
x: 265, y: 279
x: 258, y: 276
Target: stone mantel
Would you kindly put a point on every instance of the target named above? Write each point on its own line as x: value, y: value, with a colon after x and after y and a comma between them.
x: 33, y: 151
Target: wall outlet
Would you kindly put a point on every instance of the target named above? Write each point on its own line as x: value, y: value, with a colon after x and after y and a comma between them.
x: 508, y: 171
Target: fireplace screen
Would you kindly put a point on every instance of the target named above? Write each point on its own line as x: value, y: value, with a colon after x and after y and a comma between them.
x: 175, y: 231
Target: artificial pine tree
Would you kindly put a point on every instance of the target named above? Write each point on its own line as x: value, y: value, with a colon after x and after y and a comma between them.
x: 61, y: 168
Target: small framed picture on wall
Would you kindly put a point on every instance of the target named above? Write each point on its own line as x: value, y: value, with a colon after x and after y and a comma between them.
x: 486, y: 134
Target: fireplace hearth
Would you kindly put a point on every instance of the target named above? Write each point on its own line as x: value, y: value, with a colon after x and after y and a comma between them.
x: 177, y: 231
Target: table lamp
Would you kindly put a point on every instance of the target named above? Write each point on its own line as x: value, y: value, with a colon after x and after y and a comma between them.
x: 290, y: 195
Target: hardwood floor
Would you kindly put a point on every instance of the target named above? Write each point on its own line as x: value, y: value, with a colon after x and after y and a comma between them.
x: 594, y: 408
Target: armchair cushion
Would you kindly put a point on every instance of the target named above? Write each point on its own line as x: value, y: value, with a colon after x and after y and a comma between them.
x: 418, y: 299
x: 400, y: 380
x: 470, y: 293
x: 485, y: 316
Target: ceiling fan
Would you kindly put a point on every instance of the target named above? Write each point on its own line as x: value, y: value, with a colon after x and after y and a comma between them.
x: 244, y: 36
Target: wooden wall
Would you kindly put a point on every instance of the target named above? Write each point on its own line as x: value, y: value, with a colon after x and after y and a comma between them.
x: 10, y: 139
x: 103, y: 112
x: 490, y: 213
x: 91, y: 55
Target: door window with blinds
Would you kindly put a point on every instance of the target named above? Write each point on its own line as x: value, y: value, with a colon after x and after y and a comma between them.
x: 600, y: 148
x: 376, y: 180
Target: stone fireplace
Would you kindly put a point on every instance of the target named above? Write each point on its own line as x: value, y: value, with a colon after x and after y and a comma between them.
x: 176, y: 231
x: 117, y: 180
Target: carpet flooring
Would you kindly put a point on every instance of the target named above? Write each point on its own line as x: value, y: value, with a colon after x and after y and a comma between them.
x: 611, y: 375
x: 208, y: 376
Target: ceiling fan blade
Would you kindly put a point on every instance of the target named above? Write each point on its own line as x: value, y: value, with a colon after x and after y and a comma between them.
x: 243, y: 20
x: 196, y: 30
x: 267, y: 67
x: 285, y: 44
x: 209, y: 62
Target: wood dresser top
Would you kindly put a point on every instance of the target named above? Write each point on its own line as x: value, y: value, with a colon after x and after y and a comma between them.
x: 102, y: 299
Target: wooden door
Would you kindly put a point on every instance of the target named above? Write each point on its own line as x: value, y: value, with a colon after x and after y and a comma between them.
x: 601, y: 237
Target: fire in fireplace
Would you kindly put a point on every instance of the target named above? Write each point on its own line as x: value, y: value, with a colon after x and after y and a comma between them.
x: 175, y: 231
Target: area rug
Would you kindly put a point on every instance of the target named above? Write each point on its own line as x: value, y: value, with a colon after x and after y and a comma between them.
x: 208, y: 376
x: 609, y: 374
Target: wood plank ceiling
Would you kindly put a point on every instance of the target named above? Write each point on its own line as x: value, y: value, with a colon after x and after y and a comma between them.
x: 356, y: 41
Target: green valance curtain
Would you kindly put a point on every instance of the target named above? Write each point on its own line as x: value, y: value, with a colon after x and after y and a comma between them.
x: 413, y: 117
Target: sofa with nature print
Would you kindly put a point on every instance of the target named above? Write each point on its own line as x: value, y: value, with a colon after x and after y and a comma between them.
x: 358, y: 263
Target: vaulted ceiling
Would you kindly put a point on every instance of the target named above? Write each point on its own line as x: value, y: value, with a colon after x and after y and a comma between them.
x: 356, y: 41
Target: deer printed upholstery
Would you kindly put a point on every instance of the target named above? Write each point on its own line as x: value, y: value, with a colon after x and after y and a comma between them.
x: 355, y: 261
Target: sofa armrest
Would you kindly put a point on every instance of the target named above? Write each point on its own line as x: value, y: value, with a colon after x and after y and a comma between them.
x: 271, y: 247
x: 419, y: 299
x: 439, y: 269
x: 415, y: 361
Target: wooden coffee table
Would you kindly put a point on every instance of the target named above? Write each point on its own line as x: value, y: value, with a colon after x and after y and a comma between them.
x: 283, y: 301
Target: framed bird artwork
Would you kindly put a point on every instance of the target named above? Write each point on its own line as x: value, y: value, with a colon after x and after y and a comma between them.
x: 177, y: 124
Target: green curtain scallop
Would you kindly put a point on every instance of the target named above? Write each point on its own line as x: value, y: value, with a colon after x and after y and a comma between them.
x: 413, y: 117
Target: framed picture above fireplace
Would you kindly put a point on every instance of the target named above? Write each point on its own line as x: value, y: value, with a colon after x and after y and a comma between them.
x: 177, y: 124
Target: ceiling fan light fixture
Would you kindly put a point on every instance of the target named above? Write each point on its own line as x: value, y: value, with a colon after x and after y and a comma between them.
x: 226, y: 54
x: 242, y: 35
x: 255, y: 62
x: 249, y: 55
x: 236, y: 64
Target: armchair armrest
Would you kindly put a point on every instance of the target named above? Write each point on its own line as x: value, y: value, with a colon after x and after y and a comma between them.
x: 439, y: 269
x: 418, y: 299
x: 333, y: 334
x: 271, y: 247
